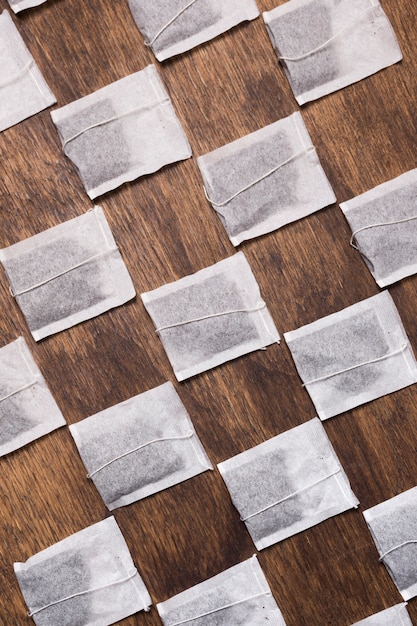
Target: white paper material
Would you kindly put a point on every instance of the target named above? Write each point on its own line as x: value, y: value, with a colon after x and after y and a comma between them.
x: 353, y: 356
x: 67, y: 274
x: 23, y: 90
x: 296, y: 185
x: 325, y: 45
x: 393, y: 525
x: 394, y: 616
x: 122, y: 131
x: 27, y: 409
x: 95, y: 567
x: 171, y: 27
x: 211, y: 317
x: 140, y: 446
x: 239, y: 595
x: 287, y: 484
x: 386, y: 220
x: 20, y: 5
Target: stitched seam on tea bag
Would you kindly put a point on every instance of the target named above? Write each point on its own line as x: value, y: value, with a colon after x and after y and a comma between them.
x: 14, y: 77
x: 260, y: 306
x: 171, y: 21
x: 401, y: 545
x: 407, y: 219
x: 82, y: 593
x: 143, y: 445
x: 222, y: 608
x: 291, y: 495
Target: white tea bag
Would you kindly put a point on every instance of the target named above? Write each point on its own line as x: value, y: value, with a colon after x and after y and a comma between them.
x: 27, y: 409
x: 239, y: 595
x: 287, y: 484
x: 325, y: 45
x: 140, y: 446
x: 67, y: 274
x: 20, y: 5
x: 23, y: 90
x: 87, y: 579
x: 211, y: 317
x: 171, y: 27
x: 266, y: 179
x: 393, y: 525
x: 394, y: 616
x: 122, y: 131
x: 353, y: 356
x: 384, y: 228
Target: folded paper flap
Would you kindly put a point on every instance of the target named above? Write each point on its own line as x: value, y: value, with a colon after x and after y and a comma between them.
x: 14, y: 55
x: 18, y: 369
x: 394, y: 616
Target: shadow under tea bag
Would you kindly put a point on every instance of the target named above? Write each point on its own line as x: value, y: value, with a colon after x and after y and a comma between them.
x: 394, y: 616
x: 122, y: 131
x: 171, y: 27
x: 266, y: 179
x: 325, y: 45
x: 67, y: 274
x: 20, y: 5
x: 393, y: 525
x: 287, y: 484
x: 23, y: 90
x: 384, y: 227
x: 211, y: 317
x: 27, y: 408
x: 87, y: 579
x: 239, y: 595
x: 140, y: 446
x: 353, y: 356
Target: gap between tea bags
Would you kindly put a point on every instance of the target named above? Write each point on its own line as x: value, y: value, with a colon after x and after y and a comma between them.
x: 20, y: 5
x: 394, y: 616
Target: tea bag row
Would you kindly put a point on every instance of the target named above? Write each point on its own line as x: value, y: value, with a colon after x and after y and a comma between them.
x: 122, y: 131
x: 394, y: 616
x: 353, y: 356
x: 67, y: 274
x: 325, y: 45
x: 266, y: 179
x: 23, y: 90
x: 287, y: 484
x: 20, y: 5
x: 171, y: 27
x: 88, y: 578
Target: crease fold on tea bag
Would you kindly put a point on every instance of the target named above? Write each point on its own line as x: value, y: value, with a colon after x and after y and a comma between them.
x: 139, y: 447
x: 211, y: 317
x: 383, y: 221
x: 20, y: 5
x: 393, y: 526
x: 23, y: 90
x: 176, y: 26
x: 238, y: 595
x: 356, y: 355
x: 67, y: 274
x: 265, y: 180
x: 27, y: 409
x: 121, y: 132
x: 396, y: 615
x: 325, y: 45
x: 88, y: 578
x: 287, y: 484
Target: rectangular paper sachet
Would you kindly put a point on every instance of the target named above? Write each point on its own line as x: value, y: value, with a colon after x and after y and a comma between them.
x: 171, y: 27
x: 67, y: 274
x: 325, y: 45
x: 23, y: 90
x: 393, y: 525
x: 140, y: 446
x: 88, y: 578
x: 20, y: 5
x: 239, y: 595
x: 353, y: 356
x: 287, y: 484
x: 211, y: 317
x: 27, y: 409
x: 266, y: 179
x: 394, y: 616
x: 384, y: 228
x: 121, y: 132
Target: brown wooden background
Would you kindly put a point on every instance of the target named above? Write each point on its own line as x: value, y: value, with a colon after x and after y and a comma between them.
x: 365, y: 135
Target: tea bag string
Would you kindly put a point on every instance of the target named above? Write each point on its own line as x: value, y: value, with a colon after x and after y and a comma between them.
x: 259, y: 307
x: 353, y: 367
x: 291, y: 495
x: 391, y: 223
x: 143, y: 445
x: 87, y: 591
x: 401, y: 545
x: 18, y: 74
x: 168, y: 24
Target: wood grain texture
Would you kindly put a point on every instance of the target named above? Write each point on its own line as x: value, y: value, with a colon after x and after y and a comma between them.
x: 233, y: 85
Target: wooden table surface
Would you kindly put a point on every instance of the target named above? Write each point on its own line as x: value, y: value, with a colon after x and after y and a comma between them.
x: 233, y: 85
